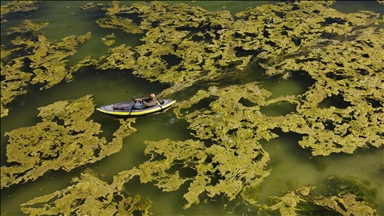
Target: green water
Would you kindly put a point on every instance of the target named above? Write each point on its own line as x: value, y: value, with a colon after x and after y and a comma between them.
x: 291, y: 165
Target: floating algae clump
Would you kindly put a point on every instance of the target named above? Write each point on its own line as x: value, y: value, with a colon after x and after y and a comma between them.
x: 120, y: 57
x: 88, y: 5
x: 346, y: 205
x: 184, y: 44
x: 17, y: 6
x: 300, y: 201
x: 233, y: 159
x: 109, y: 39
x: 181, y: 43
x: 218, y: 169
x: 88, y: 196
x: 33, y: 59
x: 288, y: 204
x: 14, y: 80
x: 47, y: 61
x: 65, y: 139
x: 344, y: 108
x: 114, y: 21
x: 230, y: 157
x: 26, y: 27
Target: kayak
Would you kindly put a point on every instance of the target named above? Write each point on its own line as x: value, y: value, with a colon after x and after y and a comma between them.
x: 126, y: 108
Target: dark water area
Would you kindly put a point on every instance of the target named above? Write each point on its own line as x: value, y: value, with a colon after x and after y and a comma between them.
x: 291, y: 165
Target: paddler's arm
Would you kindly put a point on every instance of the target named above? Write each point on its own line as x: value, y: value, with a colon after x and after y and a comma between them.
x: 140, y: 99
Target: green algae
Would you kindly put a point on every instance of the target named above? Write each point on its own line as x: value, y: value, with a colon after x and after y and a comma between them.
x: 65, y: 139
x: 17, y: 6
x: 350, y: 68
x: 299, y: 201
x: 87, y: 196
x: 27, y: 26
x: 288, y: 204
x: 220, y: 179
x: 341, y: 52
x: 120, y: 57
x: 88, y: 5
x: 108, y: 40
x: 346, y: 205
x: 48, y: 61
x: 157, y: 58
x: 234, y: 131
x: 202, y: 45
x: 119, y: 23
x: 287, y: 29
x: 233, y: 160
x: 34, y: 60
x: 14, y: 81
x: 186, y: 50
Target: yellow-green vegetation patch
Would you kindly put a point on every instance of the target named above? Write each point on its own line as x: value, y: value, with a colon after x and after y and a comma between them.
x: 347, y: 204
x: 31, y: 58
x: 181, y: 42
x: 218, y: 170
x: 65, y: 139
x: 109, y: 39
x: 115, y: 20
x: 88, y: 5
x: 225, y: 158
x: 304, y: 202
x: 47, y: 59
x: 187, y: 44
x: 17, y: 6
x: 120, y: 57
x: 341, y: 111
x: 233, y: 131
x: 13, y: 80
x: 119, y: 23
x: 26, y: 27
x: 344, y: 109
x: 233, y: 113
x: 87, y: 196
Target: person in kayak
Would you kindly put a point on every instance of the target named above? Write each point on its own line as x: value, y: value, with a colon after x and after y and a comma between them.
x: 145, y: 102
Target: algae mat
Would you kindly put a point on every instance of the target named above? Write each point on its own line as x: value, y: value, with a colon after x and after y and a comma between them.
x: 280, y: 108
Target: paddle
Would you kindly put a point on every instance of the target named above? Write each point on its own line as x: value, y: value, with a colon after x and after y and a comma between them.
x: 158, y: 102
x: 134, y: 102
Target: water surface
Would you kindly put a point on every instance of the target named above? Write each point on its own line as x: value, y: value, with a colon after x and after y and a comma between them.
x: 291, y: 165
